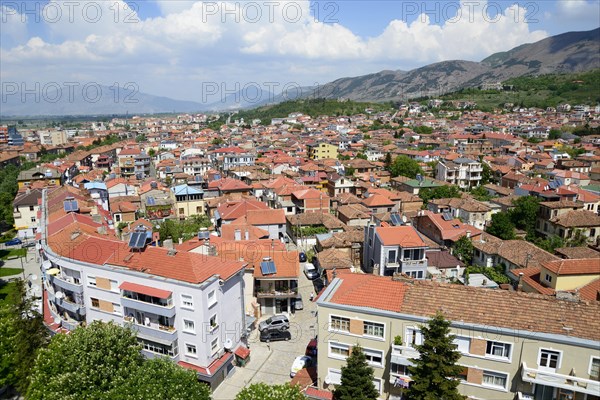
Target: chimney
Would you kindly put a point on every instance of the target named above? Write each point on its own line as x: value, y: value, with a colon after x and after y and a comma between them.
x: 468, y: 234
x: 168, y: 244
x: 180, y: 240
x: 237, y: 235
x: 520, y: 283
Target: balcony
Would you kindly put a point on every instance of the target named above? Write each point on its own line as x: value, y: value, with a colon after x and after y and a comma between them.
x: 264, y: 293
x: 568, y: 382
x: 67, y: 283
x: 152, y: 308
x: 69, y: 323
x: 152, y: 331
x: 413, y: 263
x: 69, y: 305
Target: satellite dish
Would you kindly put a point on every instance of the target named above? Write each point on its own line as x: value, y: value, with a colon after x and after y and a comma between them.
x: 228, y: 344
x: 404, y: 219
x: 59, y: 295
x: 56, y: 320
x: 33, y: 277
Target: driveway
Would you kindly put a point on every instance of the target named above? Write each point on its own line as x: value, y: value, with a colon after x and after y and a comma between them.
x: 271, y: 363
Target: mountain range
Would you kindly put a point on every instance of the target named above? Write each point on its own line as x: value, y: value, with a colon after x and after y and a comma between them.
x: 565, y: 53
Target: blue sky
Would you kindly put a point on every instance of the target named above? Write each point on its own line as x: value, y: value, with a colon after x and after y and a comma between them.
x: 179, y: 48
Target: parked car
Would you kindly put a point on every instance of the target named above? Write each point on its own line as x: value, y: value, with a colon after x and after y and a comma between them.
x: 29, y: 244
x: 272, y: 335
x: 298, y: 304
x: 299, y: 363
x: 311, y: 348
x: 303, y: 257
x: 13, y: 242
x: 311, y: 271
x: 275, y: 322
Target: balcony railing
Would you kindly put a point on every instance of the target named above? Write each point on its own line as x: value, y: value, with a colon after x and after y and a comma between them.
x: 263, y: 293
x: 153, y: 329
x: 574, y: 383
x: 404, y: 352
x: 70, y: 306
x: 67, y: 283
x: 165, y: 311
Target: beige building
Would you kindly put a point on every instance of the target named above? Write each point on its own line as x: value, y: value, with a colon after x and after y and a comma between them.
x: 514, y: 345
x: 52, y: 138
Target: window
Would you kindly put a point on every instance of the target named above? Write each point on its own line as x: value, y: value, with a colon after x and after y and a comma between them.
x: 338, y: 350
x: 114, y: 286
x: 413, y: 337
x: 214, y: 346
x: 549, y: 359
x: 399, y: 369
x: 91, y: 280
x: 494, y: 379
x: 159, y: 348
x: 212, y: 298
x: 32, y: 219
x: 377, y: 383
x: 595, y: 368
x: 189, y: 326
x: 190, y: 350
x: 463, y: 344
x: 498, y: 349
x: 373, y: 329
x: 95, y: 302
x: 392, y: 256
x: 187, y: 301
x: 340, y: 324
x: 117, y: 309
x: 213, y: 322
x: 548, y: 278
x: 30, y: 208
x: 374, y: 357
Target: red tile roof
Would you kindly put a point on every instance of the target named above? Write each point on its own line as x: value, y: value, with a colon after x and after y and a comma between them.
x: 359, y: 290
x: 582, y: 266
x: 211, y: 369
x: 405, y: 236
x: 242, y: 352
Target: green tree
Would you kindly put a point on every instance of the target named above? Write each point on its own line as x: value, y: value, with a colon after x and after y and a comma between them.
x: 89, y: 363
x: 554, y: 134
x: 140, y: 138
x: 440, y: 192
x: 405, y: 166
x: 362, y: 156
x: 434, y: 372
x: 387, y: 161
x: 217, y: 141
x: 151, y: 152
x: 502, y: 227
x: 463, y: 249
x: 264, y: 391
x: 479, y: 193
x: 524, y: 214
x: 550, y: 243
x: 357, y: 378
x: 487, y: 175
x: 160, y: 378
x: 349, y: 171
x: 22, y: 334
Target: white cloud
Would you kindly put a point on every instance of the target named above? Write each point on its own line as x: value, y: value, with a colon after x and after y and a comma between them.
x: 13, y: 25
x: 199, y: 41
x: 577, y: 15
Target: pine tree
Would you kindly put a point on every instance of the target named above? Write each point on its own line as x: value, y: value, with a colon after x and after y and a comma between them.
x: 357, y: 379
x: 434, y: 371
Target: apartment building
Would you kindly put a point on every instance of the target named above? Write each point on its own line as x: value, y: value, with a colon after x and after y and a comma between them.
x: 184, y: 306
x: 463, y: 172
x: 25, y: 210
x: 232, y: 157
x: 394, y: 249
x: 514, y: 345
x: 53, y: 137
x: 320, y: 151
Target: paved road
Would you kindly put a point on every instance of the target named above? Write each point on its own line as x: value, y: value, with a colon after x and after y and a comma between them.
x: 271, y: 363
x: 31, y: 270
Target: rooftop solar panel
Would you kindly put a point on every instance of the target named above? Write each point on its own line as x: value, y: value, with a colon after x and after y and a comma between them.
x: 395, y: 218
x: 151, y: 201
x: 141, y: 240
x: 203, y: 235
x: 268, y: 267
x: 133, y: 239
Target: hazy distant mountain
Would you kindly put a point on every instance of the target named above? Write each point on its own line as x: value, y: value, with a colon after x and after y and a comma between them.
x: 247, y: 97
x: 93, y: 100
x: 568, y: 52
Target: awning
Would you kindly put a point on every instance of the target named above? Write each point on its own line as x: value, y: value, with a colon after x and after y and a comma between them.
x: 400, y: 360
x: 147, y: 290
x: 333, y: 379
x: 53, y: 271
x: 154, y: 339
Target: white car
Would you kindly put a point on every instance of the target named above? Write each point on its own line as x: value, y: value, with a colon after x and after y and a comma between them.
x: 311, y: 271
x: 299, y: 363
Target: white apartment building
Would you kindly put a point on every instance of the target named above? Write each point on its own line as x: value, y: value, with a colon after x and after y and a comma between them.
x: 463, y: 172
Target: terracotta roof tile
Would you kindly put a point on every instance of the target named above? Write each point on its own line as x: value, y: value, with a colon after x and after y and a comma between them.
x: 582, y: 266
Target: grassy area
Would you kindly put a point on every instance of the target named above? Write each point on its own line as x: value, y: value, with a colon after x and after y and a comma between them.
x: 312, y: 107
x: 537, y: 91
x: 10, y: 271
x: 5, y: 289
x: 5, y: 254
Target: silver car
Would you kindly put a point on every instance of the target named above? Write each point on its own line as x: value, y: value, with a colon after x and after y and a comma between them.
x: 275, y: 322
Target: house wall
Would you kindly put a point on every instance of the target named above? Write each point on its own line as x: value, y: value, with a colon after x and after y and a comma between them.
x: 524, y: 350
x: 192, y: 207
x: 28, y: 218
